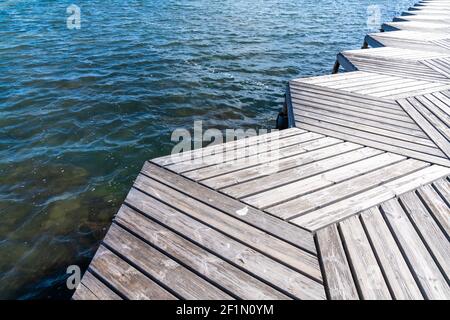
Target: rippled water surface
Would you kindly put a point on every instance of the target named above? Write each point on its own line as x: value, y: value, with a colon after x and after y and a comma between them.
x: 80, y: 110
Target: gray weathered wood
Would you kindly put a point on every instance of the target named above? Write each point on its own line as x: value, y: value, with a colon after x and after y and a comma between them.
x: 338, y: 277
x: 367, y: 271
x: 209, y: 265
x: 428, y: 275
x: 127, y: 279
x: 394, y: 267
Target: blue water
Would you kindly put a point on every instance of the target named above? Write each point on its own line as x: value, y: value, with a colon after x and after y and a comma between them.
x: 81, y: 109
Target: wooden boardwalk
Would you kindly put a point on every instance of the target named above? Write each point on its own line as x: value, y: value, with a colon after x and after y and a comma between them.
x: 351, y: 202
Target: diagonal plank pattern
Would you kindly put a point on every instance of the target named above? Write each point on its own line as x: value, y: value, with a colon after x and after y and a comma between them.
x: 408, y: 63
x: 352, y: 202
x: 376, y: 85
x: 321, y: 105
x: 407, y: 39
x: 396, y: 250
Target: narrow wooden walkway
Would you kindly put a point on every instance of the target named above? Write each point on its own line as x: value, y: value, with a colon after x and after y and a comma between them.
x: 351, y: 202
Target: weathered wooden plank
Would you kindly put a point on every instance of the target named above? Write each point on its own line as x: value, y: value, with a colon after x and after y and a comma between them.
x: 416, y: 26
x: 184, y: 282
x: 83, y: 293
x: 236, y: 252
x: 440, y: 106
x: 393, y: 66
x: 340, y: 210
x: 337, y: 273
x: 438, y: 208
x: 443, y: 188
x: 428, y: 275
x: 442, y: 102
x: 370, y: 133
x: 375, y: 144
x: 280, y: 196
x: 410, y: 105
x: 230, y: 206
x: 437, y: 119
x: 220, y: 148
x: 229, y: 225
x: 345, y: 189
x: 211, y: 266
x: 302, y: 171
x: 300, y: 84
x: 99, y: 289
x: 261, y: 150
x: 415, y: 133
x: 299, y: 102
x: 399, y: 277
x: 367, y: 272
x: 127, y: 279
x: 430, y: 232
x: 320, y: 95
x: 405, y: 39
x: 273, y: 155
x: 332, y: 147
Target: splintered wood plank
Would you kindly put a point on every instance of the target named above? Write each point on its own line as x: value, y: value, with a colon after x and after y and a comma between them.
x: 261, y: 265
x: 126, y: 279
x: 394, y: 267
x: 326, y: 196
x: 412, y: 106
x: 428, y: 275
x: 210, y: 266
x: 230, y: 206
x: 430, y: 232
x: 367, y: 272
x: 101, y: 291
x: 350, y: 206
x: 185, y: 283
x: 311, y: 166
x: 245, y: 233
x: 338, y: 276
x: 437, y: 206
x: 83, y: 293
x: 277, y: 200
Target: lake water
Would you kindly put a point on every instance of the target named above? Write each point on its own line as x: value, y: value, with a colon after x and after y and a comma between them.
x: 82, y: 109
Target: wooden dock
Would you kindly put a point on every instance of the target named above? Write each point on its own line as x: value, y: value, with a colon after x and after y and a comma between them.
x: 351, y: 202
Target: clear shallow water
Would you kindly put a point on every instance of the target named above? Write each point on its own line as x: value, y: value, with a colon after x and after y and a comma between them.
x: 81, y: 110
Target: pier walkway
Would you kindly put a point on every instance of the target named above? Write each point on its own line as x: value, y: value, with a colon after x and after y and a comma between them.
x: 351, y: 202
